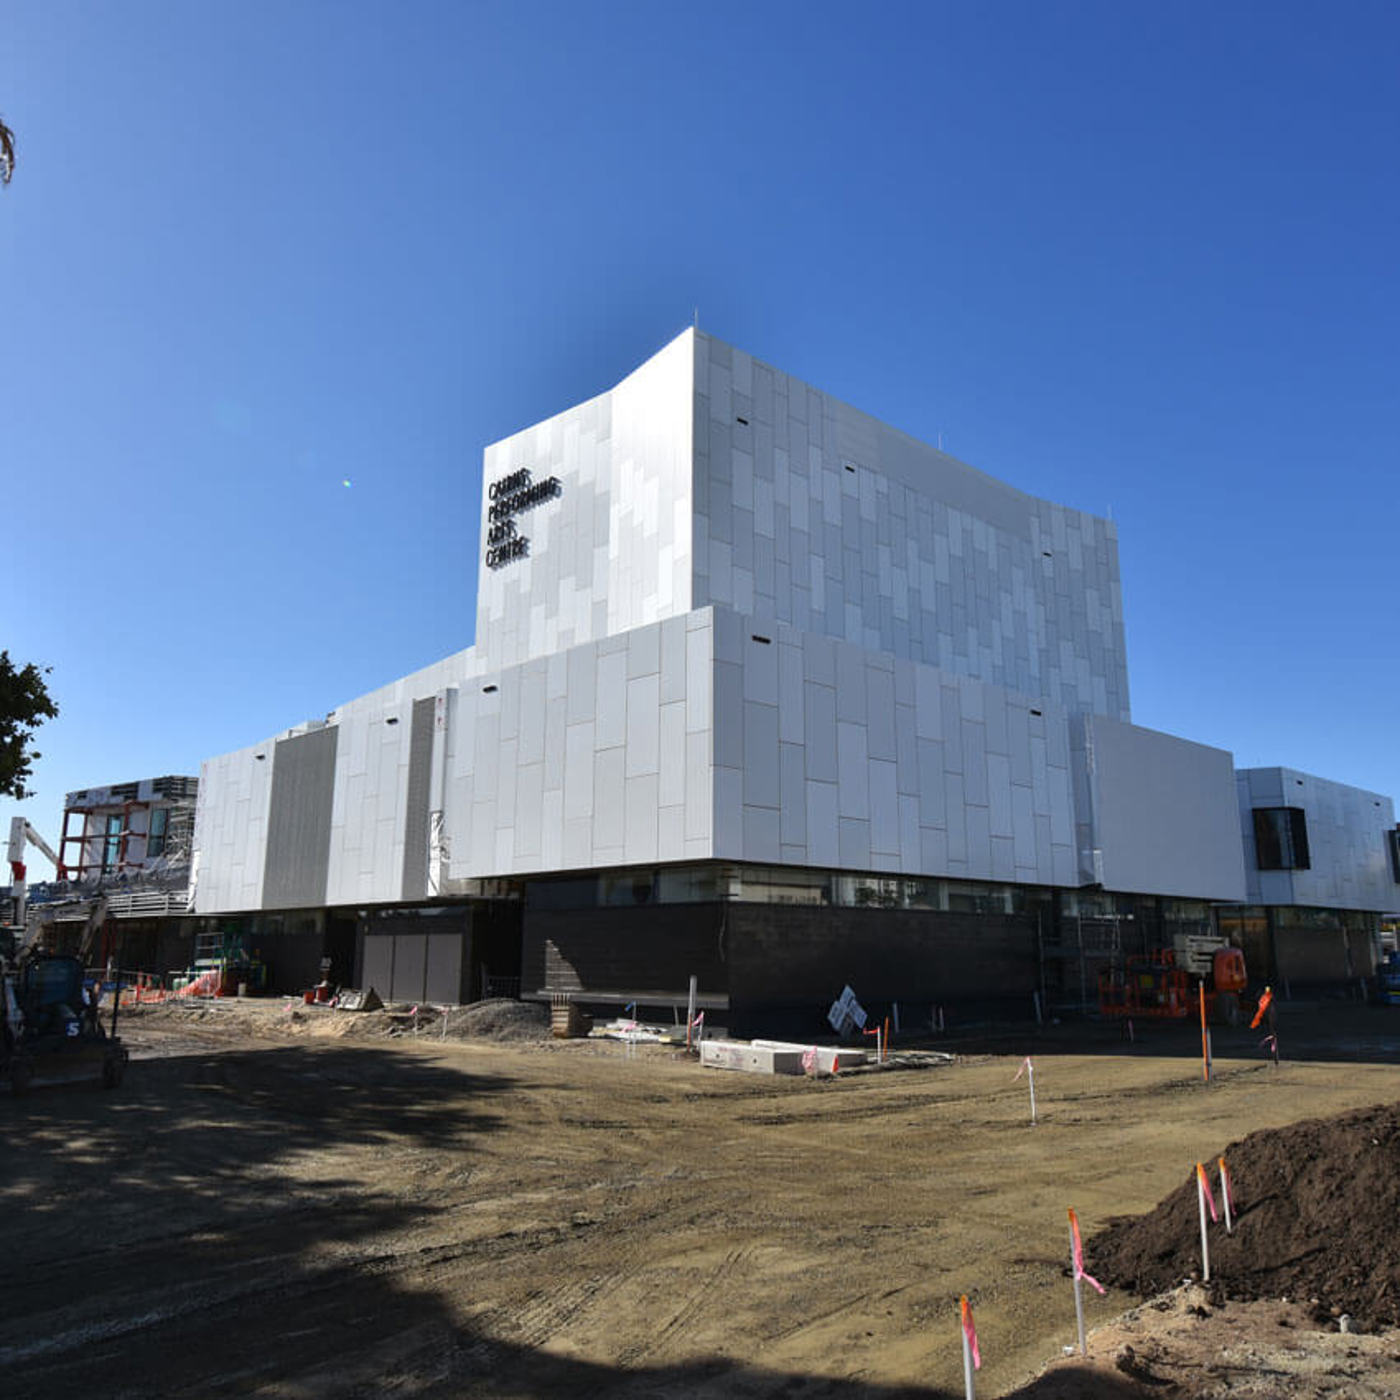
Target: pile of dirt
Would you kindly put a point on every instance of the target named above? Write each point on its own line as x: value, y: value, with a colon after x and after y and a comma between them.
x: 499, y: 1018
x: 1317, y: 1206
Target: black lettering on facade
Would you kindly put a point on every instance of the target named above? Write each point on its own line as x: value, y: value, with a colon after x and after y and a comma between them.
x: 509, y: 497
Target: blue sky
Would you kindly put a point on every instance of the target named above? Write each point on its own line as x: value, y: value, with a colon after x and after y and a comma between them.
x: 1133, y: 257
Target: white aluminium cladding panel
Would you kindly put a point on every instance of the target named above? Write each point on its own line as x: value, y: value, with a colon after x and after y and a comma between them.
x: 230, y: 829
x: 830, y: 755
x: 595, y: 756
x: 591, y: 757
x: 367, y: 812
x: 812, y: 513
x: 1156, y: 814
x: 613, y: 550
x: 1349, y: 861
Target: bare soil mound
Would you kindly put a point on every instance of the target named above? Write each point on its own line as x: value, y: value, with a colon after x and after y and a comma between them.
x: 1317, y: 1208
x: 499, y: 1018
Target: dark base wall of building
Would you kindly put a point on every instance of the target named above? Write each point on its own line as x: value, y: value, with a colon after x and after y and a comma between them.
x: 1304, y: 949
x: 789, y: 963
x: 157, y: 946
x: 647, y: 955
x: 451, y: 954
x: 779, y: 967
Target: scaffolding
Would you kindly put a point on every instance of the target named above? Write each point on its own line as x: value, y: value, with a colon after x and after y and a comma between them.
x: 102, y: 845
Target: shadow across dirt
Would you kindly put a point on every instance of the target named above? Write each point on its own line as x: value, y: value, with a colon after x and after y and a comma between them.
x: 206, y: 1231
x: 186, y: 1226
x: 488, y: 1371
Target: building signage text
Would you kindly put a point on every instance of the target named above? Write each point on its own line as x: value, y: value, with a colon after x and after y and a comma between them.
x: 509, y: 497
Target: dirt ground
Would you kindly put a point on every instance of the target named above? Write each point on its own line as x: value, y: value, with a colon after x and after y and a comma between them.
x: 286, y: 1203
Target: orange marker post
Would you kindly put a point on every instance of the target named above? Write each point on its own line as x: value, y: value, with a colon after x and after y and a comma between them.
x: 972, y: 1357
x: 1205, y: 1040
x: 1203, y: 1195
x: 1028, y: 1069
x: 1076, y: 1259
x: 1227, y: 1197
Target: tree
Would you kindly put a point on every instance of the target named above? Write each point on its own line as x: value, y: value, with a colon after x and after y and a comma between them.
x: 7, y: 154
x: 24, y: 706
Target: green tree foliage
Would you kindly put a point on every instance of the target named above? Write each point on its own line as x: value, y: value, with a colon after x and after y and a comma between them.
x: 24, y: 706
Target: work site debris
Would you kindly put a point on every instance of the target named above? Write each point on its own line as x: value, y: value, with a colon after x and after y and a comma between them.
x: 357, y: 999
x: 1315, y: 1206
x: 624, y: 1028
x: 498, y: 1018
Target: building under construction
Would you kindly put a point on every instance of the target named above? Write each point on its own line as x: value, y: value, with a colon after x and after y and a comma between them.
x: 118, y: 879
x: 766, y: 692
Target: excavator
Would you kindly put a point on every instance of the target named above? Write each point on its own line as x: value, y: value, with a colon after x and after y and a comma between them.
x: 50, y: 1031
x: 1152, y: 985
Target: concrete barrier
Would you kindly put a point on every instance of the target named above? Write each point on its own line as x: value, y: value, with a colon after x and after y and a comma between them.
x: 753, y: 1059
x: 774, y: 1056
x: 826, y: 1054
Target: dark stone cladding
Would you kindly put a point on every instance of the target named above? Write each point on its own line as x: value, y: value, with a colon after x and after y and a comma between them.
x: 781, y: 966
x: 790, y: 961
x: 653, y: 949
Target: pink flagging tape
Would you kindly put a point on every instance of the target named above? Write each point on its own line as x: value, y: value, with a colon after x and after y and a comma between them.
x: 1025, y: 1065
x: 1079, y: 1255
x: 970, y: 1332
x: 1209, y: 1194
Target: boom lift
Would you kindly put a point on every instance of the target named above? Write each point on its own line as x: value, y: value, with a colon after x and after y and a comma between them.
x: 49, y: 1026
x: 1152, y: 985
x: 22, y: 834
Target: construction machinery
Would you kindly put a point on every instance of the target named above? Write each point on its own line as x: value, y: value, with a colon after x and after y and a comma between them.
x: 50, y: 1031
x: 1152, y: 985
x: 49, y: 1026
x: 1388, y: 979
x: 21, y: 836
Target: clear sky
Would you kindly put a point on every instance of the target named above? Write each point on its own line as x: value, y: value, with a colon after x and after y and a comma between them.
x: 1133, y: 257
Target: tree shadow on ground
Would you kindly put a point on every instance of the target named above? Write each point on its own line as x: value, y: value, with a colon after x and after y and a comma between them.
x: 185, y: 1237
x: 188, y: 1218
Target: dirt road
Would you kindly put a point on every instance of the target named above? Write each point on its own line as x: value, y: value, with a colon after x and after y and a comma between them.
x: 258, y: 1213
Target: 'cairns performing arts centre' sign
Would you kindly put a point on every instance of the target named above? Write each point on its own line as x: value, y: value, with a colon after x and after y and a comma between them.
x: 511, y: 496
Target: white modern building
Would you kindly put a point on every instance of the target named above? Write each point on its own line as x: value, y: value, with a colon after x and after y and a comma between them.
x: 855, y: 710
x: 1322, y: 861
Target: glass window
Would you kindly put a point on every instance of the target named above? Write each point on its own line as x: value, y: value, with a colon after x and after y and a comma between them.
x: 562, y: 894
x: 686, y: 885
x: 627, y: 888
x: 155, y: 836
x: 1281, y: 838
x: 111, y: 843
x: 965, y: 897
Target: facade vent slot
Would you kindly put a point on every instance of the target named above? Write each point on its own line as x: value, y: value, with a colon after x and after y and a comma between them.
x: 767, y: 641
x: 744, y: 421
x: 1047, y: 554
x: 850, y: 466
x: 393, y: 719
x: 488, y: 690
x: 1035, y: 712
